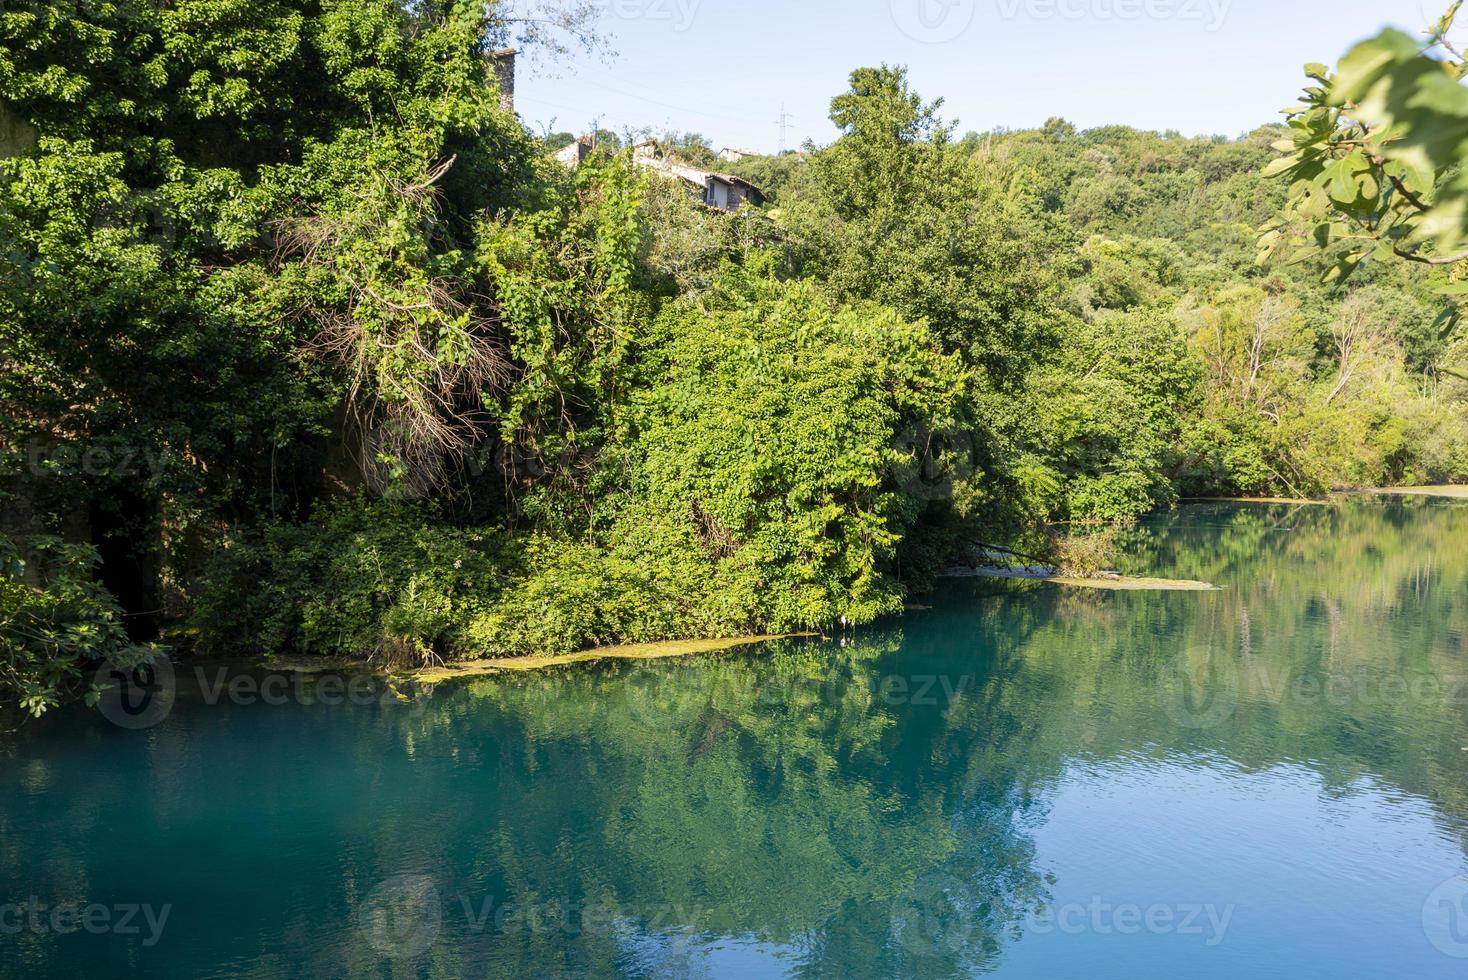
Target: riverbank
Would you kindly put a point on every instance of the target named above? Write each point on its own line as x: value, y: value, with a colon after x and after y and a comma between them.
x: 632, y: 651
x: 1109, y: 583
x: 1454, y: 491
x: 686, y: 648
x: 724, y: 813
x: 459, y: 670
x: 1457, y: 492
x: 1293, y: 501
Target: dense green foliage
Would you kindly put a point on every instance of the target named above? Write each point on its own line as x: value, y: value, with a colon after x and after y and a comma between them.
x: 323, y: 352
x: 770, y: 449
x: 756, y: 488
x: 57, y: 624
x: 1282, y: 384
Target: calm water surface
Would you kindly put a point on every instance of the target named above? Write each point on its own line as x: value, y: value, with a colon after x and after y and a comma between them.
x: 1022, y: 781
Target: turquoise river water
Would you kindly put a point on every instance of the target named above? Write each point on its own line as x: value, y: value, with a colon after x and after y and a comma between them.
x: 1018, y: 781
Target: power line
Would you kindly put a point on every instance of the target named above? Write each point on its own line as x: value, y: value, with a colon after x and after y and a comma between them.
x: 784, y: 124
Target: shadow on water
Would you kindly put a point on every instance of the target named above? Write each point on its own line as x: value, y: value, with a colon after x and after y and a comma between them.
x: 878, y: 806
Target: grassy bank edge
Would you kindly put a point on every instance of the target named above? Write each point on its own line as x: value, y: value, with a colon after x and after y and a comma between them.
x: 481, y: 668
x: 1450, y: 491
x: 1121, y: 583
x: 1455, y: 491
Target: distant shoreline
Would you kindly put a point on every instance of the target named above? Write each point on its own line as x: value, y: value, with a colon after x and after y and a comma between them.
x: 1110, y: 583
x: 1451, y: 491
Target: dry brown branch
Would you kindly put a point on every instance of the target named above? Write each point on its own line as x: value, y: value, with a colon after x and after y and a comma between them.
x: 422, y: 361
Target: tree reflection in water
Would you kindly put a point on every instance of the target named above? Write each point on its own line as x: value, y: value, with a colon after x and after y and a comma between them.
x: 836, y: 809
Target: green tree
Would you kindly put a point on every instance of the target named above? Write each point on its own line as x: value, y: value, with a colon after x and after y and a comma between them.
x: 901, y: 217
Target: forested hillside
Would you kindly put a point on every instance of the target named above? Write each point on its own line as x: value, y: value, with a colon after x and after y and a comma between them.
x: 1282, y: 383
x: 320, y: 351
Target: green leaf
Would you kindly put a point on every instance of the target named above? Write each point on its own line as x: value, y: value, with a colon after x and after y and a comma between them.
x: 1446, y: 23
x: 1366, y: 64
x: 1344, y: 268
x: 1282, y: 165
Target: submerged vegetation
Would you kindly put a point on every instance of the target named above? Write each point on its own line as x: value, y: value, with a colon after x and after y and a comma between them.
x: 323, y: 353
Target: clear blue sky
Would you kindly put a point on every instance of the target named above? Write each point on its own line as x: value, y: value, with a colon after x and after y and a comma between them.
x: 723, y: 67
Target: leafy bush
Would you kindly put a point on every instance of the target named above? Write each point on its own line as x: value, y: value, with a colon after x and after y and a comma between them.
x: 393, y: 584
x: 1097, y: 434
x: 579, y: 596
x: 1088, y: 554
x: 772, y: 448
x: 389, y: 582
x: 56, y: 623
